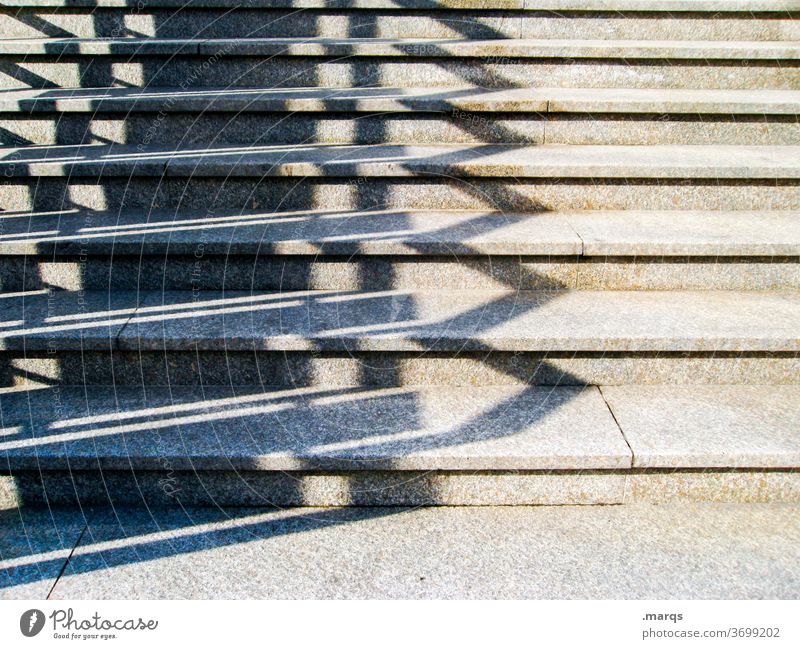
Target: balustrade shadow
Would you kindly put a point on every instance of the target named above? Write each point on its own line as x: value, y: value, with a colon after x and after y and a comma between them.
x: 309, y: 422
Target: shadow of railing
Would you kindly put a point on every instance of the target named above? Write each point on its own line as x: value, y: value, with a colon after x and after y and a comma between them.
x: 243, y: 426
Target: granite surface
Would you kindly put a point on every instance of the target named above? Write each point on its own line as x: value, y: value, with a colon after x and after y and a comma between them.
x: 453, y: 126
x: 742, y: 426
x: 35, y: 544
x: 453, y: 234
x: 407, y: 232
x: 408, y: 47
x: 632, y: 551
x: 59, y: 320
x: 212, y: 195
x: 480, y: 21
x: 392, y: 369
x: 320, y: 232
x: 468, y: 99
x: 467, y: 320
x: 490, y: 160
x: 530, y: 5
x: 710, y: 486
x: 402, y: 320
x: 170, y: 488
x: 493, y: 160
x: 412, y: 429
x: 687, y: 232
x: 454, y: 72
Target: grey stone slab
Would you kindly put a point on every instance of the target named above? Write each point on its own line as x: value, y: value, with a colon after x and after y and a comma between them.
x: 530, y: 5
x: 237, y: 488
x: 662, y: 5
x: 19, y: 70
x: 407, y: 232
x: 506, y: 47
x: 180, y: 195
x: 412, y: 429
x: 717, y: 26
x: 406, y: 160
x: 275, y: 99
x: 221, y: 128
x: 549, y: 161
x: 429, y: 47
x: 221, y: 22
x: 467, y: 320
x: 60, y: 320
x: 625, y: 552
x: 593, y: 100
x: 35, y: 544
x: 97, y: 46
x: 649, y: 129
x: 90, y: 160
x: 266, y: 271
x: 665, y: 273
x: 662, y: 101
x: 318, y: 232
x: 439, y: 47
x: 688, y: 232
x: 269, y: 22
x: 310, y: 4
x: 450, y: 127
x: 710, y: 486
x: 709, y: 426
x: 391, y: 369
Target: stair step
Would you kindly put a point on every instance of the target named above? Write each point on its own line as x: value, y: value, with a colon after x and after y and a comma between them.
x: 413, y: 445
x: 209, y: 195
x: 438, y: 100
x: 705, y: 427
x: 327, y: 429
x: 213, y: 129
x: 632, y: 552
x: 405, y: 233
x: 404, y: 429
x: 404, y: 321
x: 244, y: 20
x: 415, y: 48
x: 24, y: 70
x: 528, y: 5
x: 549, y: 161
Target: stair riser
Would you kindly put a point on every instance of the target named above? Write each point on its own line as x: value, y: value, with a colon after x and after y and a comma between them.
x: 265, y: 23
x: 19, y: 273
x: 286, y: 194
x: 20, y: 71
x: 387, y: 369
x: 214, y: 488
x: 459, y: 127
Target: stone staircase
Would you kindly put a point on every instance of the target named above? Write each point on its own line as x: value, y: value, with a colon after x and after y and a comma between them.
x: 383, y: 252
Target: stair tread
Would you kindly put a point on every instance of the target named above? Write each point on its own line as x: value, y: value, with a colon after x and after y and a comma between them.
x: 493, y: 160
x: 529, y: 5
x: 414, y: 47
x: 404, y: 232
x: 403, y: 320
x: 699, y: 426
x: 405, y: 428
x: 543, y: 100
x: 326, y: 428
x: 630, y: 552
